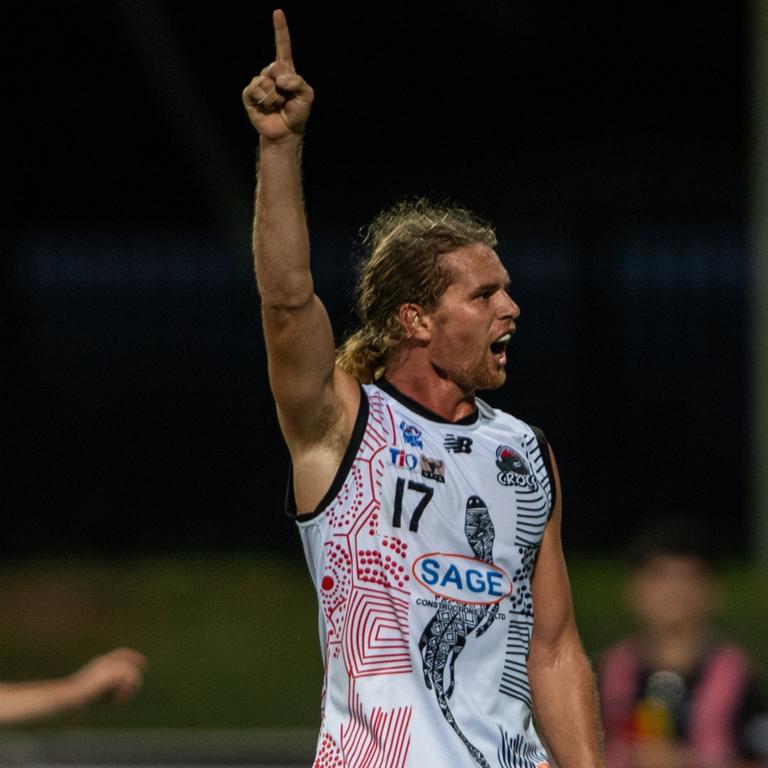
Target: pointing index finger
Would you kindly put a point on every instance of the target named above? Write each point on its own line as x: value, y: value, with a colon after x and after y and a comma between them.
x: 282, y: 37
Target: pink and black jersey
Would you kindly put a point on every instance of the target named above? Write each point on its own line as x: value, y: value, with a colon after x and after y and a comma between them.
x: 422, y: 554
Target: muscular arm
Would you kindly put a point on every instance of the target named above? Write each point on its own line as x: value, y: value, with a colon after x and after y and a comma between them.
x: 316, y: 402
x: 562, y: 683
x: 298, y: 334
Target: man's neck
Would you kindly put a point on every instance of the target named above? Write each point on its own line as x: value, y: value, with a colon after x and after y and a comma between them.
x: 437, y: 394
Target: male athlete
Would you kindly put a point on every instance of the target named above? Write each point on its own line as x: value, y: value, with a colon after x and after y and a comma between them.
x: 430, y: 521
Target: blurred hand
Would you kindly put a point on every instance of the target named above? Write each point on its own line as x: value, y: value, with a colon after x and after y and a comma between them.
x: 118, y: 674
x: 278, y: 101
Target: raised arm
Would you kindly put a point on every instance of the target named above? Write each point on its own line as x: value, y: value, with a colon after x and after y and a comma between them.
x: 316, y: 402
x: 562, y: 682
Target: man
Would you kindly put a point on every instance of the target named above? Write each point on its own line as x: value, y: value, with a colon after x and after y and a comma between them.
x: 117, y: 674
x: 678, y: 694
x: 422, y: 510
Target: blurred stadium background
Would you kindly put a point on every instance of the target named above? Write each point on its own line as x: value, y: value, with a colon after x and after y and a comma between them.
x: 621, y: 152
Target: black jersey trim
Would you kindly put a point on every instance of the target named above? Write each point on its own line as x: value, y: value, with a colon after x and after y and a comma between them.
x: 541, y: 439
x: 358, y: 431
x: 408, y: 402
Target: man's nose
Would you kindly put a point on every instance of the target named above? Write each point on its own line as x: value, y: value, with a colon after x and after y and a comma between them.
x: 510, y: 307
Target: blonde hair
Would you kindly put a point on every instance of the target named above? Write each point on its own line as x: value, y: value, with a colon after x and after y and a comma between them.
x: 404, y: 244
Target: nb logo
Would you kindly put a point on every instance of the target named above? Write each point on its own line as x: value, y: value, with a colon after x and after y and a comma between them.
x: 457, y: 444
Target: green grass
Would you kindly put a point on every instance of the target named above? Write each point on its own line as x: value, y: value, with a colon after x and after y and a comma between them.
x: 232, y: 640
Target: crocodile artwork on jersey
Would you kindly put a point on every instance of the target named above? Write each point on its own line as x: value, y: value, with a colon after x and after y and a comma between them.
x: 446, y: 635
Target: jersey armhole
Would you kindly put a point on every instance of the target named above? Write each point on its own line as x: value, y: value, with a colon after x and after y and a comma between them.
x: 358, y: 431
x: 541, y: 439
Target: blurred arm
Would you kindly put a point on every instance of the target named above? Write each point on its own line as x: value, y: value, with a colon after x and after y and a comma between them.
x: 118, y: 673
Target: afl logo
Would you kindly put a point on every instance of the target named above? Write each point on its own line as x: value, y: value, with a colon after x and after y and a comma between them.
x: 411, y: 434
x: 462, y: 578
x: 514, y: 470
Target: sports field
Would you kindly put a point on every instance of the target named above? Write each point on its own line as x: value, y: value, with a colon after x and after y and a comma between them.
x: 234, y: 670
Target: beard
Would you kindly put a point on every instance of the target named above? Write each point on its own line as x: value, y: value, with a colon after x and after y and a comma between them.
x: 492, y: 379
x: 479, y: 375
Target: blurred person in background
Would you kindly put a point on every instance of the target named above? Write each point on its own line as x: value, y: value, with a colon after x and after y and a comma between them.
x: 116, y: 675
x: 679, y: 694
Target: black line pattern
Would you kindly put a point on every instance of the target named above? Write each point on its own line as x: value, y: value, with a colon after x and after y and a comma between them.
x: 531, y: 445
x: 514, y: 679
x: 531, y: 521
x: 533, y: 508
x: 517, y: 753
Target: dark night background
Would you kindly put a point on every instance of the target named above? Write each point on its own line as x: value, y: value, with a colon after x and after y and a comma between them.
x: 608, y: 143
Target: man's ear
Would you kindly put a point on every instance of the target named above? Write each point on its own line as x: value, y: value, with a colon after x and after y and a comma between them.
x: 416, y: 322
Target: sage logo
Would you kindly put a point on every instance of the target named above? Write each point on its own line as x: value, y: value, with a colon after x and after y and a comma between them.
x: 462, y: 578
x: 514, y: 469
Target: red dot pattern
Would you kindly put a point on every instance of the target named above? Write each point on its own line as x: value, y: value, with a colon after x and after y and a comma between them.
x: 384, y: 566
x: 329, y: 754
x: 348, y: 504
x: 356, y: 554
x: 336, y: 582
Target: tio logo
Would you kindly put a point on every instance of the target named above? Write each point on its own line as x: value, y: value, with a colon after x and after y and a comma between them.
x: 399, y: 458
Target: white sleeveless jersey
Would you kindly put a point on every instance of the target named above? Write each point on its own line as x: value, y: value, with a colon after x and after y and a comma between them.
x: 422, y: 554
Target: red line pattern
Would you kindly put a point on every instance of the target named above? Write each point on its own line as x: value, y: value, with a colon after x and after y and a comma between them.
x: 364, y: 585
x: 376, y: 635
x: 364, y: 589
x: 379, y: 741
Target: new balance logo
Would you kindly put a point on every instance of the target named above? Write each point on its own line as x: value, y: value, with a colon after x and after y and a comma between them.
x: 457, y: 444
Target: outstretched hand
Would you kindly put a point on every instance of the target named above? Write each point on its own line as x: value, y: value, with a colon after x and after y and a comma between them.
x: 278, y: 101
x: 118, y: 674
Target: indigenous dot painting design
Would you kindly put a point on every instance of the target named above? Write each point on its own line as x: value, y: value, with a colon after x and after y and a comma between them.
x: 521, y: 597
x: 376, y: 740
x: 385, y: 570
x: 334, y: 589
x: 328, y: 754
x: 364, y: 591
x: 365, y: 570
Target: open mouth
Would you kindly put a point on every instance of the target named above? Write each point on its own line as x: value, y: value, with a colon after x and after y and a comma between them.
x: 500, y: 345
